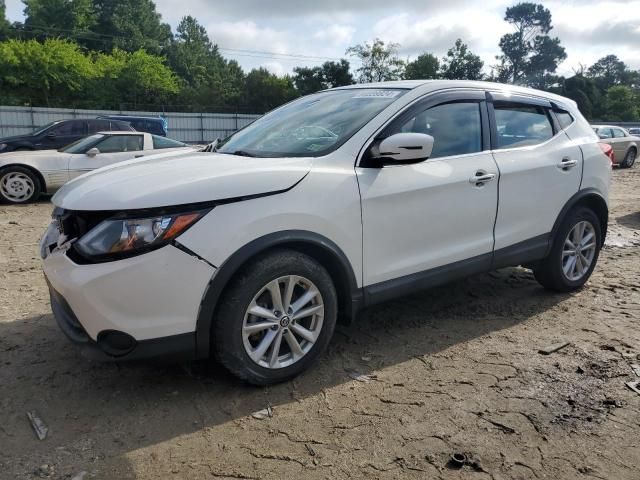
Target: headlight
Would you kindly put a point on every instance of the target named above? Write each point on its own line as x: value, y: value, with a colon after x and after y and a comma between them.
x: 3, y: 146
x: 120, y: 238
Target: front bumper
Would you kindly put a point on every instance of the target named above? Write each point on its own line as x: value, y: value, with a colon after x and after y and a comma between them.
x: 152, y: 300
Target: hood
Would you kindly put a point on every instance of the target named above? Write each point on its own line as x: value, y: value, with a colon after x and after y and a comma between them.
x: 16, y: 138
x: 176, y: 179
x: 22, y: 157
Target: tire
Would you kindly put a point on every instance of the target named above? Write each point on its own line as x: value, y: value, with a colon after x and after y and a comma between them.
x: 551, y: 272
x: 629, y: 158
x: 233, y: 345
x: 19, y: 185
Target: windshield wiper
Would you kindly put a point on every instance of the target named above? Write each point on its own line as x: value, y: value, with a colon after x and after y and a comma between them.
x: 241, y: 153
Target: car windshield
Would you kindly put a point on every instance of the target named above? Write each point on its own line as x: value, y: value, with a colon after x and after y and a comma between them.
x: 39, y: 130
x: 82, y: 145
x: 311, y: 126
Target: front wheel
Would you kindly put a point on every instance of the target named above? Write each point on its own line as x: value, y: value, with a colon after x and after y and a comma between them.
x: 19, y: 185
x: 574, y: 252
x: 275, y: 318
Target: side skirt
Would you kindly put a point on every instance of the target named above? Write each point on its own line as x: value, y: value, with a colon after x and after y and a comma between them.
x: 524, y: 252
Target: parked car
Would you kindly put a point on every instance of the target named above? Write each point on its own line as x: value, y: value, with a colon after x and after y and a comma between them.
x: 59, y: 134
x: 625, y: 145
x: 336, y: 201
x: 634, y: 131
x: 153, y: 125
x: 25, y: 175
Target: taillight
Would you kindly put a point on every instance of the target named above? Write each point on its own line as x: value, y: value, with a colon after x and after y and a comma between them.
x: 608, y: 151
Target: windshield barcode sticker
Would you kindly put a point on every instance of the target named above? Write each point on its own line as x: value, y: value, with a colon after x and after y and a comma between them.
x: 377, y: 94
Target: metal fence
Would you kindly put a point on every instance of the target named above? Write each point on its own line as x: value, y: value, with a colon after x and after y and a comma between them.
x: 186, y: 127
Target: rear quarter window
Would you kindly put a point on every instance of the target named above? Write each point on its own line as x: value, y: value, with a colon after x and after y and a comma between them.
x: 163, y: 142
x: 564, y: 119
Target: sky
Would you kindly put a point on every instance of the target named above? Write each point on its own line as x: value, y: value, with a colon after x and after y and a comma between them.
x: 282, y: 34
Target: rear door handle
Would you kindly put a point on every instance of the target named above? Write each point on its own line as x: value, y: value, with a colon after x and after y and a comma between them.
x: 480, y: 178
x: 567, y: 163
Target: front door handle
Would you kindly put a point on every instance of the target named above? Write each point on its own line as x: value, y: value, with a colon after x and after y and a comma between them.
x: 481, y: 177
x: 139, y: 156
x: 567, y: 164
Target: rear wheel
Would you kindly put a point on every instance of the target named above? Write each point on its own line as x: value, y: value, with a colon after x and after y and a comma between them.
x: 574, y: 252
x: 276, y: 318
x: 629, y: 158
x: 19, y: 185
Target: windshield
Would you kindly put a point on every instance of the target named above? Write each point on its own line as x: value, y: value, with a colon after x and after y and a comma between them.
x: 39, y: 130
x: 82, y: 145
x: 311, y: 126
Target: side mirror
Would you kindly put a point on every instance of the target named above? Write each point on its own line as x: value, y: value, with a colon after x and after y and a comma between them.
x: 406, y: 147
x: 92, y: 152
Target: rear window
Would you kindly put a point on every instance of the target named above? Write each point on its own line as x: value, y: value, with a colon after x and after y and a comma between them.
x: 521, y: 125
x: 163, y: 142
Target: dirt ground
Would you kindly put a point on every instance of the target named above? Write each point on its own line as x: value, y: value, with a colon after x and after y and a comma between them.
x: 452, y: 370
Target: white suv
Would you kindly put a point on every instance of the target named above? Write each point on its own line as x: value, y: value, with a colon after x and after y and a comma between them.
x: 331, y: 203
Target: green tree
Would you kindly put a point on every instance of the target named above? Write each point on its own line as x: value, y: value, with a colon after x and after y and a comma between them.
x: 330, y: 75
x: 59, y: 18
x: 585, y: 93
x: 130, y: 25
x: 379, y: 62
x: 51, y: 73
x: 621, y: 104
x: 529, y: 54
x: 137, y: 78
x: 422, y: 68
x: 609, y: 71
x: 461, y: 64
x: 192, y: 54
x: 265, y: 91
x: 5, y: 26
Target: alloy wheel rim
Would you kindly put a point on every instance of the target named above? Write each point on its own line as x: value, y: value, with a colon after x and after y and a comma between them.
x: 16, y: 186
x: 283, y: 322
x: 579, y: 250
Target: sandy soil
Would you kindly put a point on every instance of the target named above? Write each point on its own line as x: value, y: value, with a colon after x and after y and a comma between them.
x: 452, y: 370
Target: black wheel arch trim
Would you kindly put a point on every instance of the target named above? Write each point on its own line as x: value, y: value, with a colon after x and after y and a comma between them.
x: 581, y: 196
x: 285, y: 239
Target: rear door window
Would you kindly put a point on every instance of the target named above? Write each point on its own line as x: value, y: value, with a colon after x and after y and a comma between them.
x: 618, y: 133
x: 96, y: 126
x: 521, y: 125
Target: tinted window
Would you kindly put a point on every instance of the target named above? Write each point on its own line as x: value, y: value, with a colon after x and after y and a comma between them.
x: 96, y: 126
x: 521, y: 125
x: 121, y: 127
x: 163, y: 142
x: 564, y: 118
x: 121, y: 143
x: 155, y: 127
x: 618, y: 133
x: 74, y: 127
x: 455, y: 127
x: 139, y: 125
x: 311, y: 126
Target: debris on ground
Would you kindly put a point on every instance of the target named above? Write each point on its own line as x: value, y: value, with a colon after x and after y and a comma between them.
x: 553, y: 348
x: 635, y: 386
x: 262, y: 414
x: 38, y: 425
x: 636, y: 369
x: 360, y: 377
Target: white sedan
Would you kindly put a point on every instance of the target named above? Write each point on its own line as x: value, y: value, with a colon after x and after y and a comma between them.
x: 25, y: 175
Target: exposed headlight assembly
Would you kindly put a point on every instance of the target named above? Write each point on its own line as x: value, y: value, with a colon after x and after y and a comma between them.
x: 115, y: 238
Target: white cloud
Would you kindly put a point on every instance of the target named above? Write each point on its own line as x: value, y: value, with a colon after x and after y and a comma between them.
x: 335, y: 35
